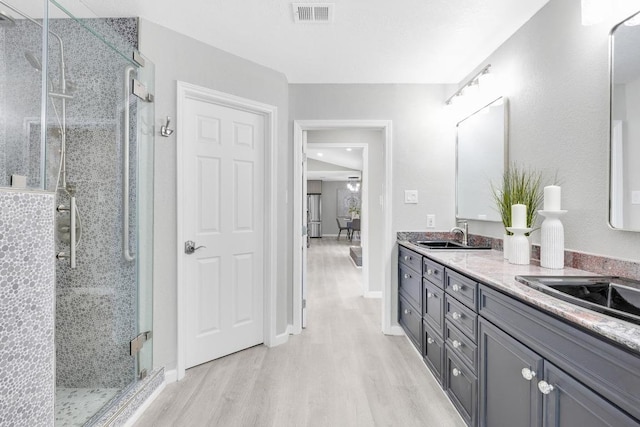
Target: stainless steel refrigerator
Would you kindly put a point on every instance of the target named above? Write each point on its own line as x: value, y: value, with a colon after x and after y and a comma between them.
x: 314, y: 217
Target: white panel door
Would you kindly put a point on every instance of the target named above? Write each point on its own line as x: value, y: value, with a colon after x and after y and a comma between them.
x: 223, y: 166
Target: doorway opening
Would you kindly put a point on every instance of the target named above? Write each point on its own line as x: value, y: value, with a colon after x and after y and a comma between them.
x: 376, y: 227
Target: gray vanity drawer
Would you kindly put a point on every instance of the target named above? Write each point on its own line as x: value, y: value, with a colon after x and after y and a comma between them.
x: 461, y: 386
x: 410, y: 285
x: 433, y: 351
x: 461, y: 316
x: 411, y: 321
x: 433, y: 272
x: 462, y: 288
x: 410, y: 259
x: 433, y: 306
x: 461, y: 345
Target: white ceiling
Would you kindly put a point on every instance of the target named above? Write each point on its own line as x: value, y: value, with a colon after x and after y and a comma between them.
x: 349, y: 162
x: 370, y: 41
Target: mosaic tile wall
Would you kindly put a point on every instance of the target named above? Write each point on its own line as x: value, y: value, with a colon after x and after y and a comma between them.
x: 27, y: 280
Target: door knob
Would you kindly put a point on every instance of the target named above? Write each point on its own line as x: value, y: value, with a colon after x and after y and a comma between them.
x: 190, y: 247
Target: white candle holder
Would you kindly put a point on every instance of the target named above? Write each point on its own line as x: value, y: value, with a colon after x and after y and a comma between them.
x: 506, y: 244
x: 552, y: 240
x: 520, y: 248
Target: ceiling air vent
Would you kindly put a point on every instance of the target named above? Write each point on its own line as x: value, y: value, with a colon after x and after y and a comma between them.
x: 313, y: 13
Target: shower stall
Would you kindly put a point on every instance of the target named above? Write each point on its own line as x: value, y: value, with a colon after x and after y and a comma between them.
x: 76, y: 120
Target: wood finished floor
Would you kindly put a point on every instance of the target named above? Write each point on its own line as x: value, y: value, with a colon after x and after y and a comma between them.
x: 341, y: 371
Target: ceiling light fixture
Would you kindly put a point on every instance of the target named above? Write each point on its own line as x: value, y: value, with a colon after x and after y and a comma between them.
x: 320, y: 154
x: 472, y: 87
x: 354, y: 184
x: 348, y: 149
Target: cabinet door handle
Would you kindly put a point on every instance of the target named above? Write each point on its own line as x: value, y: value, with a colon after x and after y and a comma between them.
x: 407, y: 258
x: 456, y: 315
x: 430, y: 340
x: 429, y: 272
x: 407, y: 276
x: 528, y: 374
x: 457, y: 344
x: 429, y: 295
x: 545, y: 387
x: 407, y: 311
x: 456, y: 287
x: 456, y: 372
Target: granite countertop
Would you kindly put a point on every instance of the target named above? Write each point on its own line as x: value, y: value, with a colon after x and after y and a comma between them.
x: 489, y: 266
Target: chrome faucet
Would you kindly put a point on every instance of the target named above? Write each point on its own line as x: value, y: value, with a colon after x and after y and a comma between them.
x: 464, y: 230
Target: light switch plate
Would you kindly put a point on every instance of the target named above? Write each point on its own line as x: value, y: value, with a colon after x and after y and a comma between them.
x: 431, y: 221
x: 411, y: 196
x: 635, y: 197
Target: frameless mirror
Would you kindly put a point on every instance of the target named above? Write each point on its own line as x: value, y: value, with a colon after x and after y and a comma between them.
x: 624, y: 179
x: 481, y: 157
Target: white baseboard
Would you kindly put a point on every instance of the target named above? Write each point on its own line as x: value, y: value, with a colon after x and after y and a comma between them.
x: 282, y: 338
x: 170, y: 376
x: 138, y: 413
x: 395, y: 330
x: 373, y: 294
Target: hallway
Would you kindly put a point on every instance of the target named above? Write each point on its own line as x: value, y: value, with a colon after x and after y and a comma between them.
x: 341, y: 371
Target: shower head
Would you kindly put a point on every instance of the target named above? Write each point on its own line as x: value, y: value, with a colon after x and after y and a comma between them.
x: 33, y: 60
x: 6, y: 20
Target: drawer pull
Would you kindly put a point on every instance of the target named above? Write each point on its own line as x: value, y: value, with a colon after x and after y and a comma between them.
x: 456, y: 287
x: 528, y: 374
x: 407, y: 276
x: 456, y: 372
x: 407, y: 257
x: 430, y: 340
x: 430, y: 272
x: 407, y: 311
x: 545, y: 387
x: 457, y: 344
x: 429, y: 295
x: 456, y: 315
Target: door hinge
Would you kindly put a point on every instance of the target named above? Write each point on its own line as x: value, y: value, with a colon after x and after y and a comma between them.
x: 143, y: 374
x: 136, y: 344
x: 138, y: 59
x: 304, y: 303
x: 140, y: 90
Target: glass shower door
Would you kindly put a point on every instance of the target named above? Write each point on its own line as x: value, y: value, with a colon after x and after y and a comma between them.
x: 101, y: 170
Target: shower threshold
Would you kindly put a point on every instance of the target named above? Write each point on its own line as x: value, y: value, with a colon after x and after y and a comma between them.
x: 75, y: 406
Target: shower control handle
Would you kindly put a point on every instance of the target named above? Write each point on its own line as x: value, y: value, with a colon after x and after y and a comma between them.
x: 190, y: 247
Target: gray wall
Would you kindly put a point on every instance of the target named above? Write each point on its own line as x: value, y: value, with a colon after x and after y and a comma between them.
x: 178, y: 57
x: 423, y: 149
x: 555, y: 73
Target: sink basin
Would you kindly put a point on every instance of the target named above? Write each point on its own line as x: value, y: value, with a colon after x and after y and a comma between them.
x: 613, y: 296
x: 446, y: 244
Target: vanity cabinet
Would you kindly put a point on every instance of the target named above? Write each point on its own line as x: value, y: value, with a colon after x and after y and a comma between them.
x: 503, y: 362
x: 534, y: 371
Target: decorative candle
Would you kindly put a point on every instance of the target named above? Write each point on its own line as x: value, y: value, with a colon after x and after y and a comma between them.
x: 519, y: 216
x: 552, y: 198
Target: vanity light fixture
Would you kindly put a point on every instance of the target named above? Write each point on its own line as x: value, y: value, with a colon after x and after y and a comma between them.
x: 472, y: 87
x: 354, y: 184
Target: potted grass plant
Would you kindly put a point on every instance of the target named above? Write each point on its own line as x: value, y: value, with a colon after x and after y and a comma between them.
x: 519, y: 186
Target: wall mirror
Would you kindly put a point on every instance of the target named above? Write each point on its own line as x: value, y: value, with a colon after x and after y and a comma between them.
x: 624, y: 167
x: 481, y: 157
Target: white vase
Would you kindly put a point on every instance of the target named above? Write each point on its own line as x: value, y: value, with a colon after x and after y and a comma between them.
x: 552, y: 240
x: 520, y: 249
x: 506, y: 243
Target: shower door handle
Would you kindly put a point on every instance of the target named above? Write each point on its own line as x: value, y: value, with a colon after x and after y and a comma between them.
x: 72, y: 231
x: 125, y: 166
